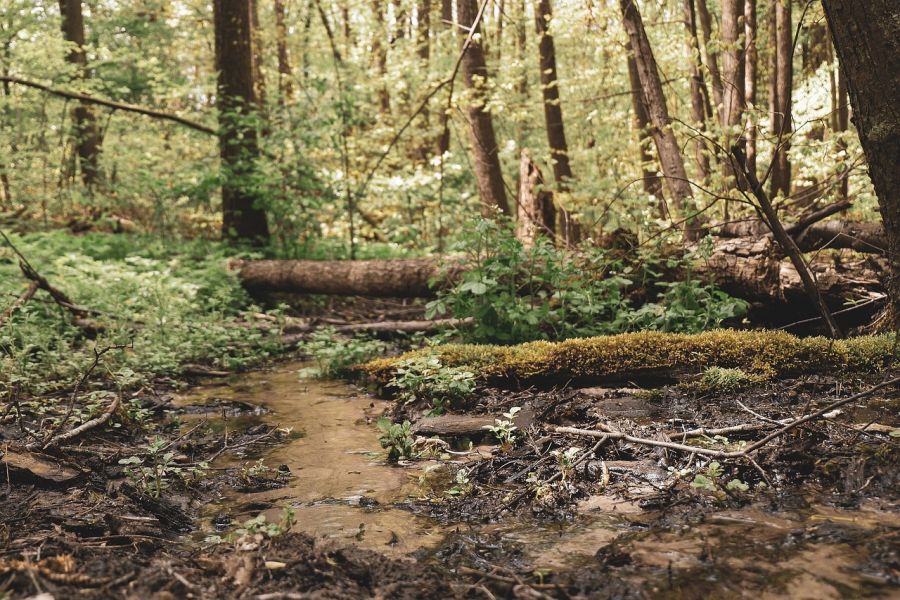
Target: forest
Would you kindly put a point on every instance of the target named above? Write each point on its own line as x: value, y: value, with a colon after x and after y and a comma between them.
x: 449, y: 299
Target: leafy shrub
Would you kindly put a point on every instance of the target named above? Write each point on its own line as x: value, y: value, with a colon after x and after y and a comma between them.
x: 334, y: 356
x: 520, y: 294
x: 396, y: 438
x: 425, y: 378
x: 170, y: 302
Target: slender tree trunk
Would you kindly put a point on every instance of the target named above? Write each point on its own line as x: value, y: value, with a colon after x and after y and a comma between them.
x: 444, y: 139
x: 781, y: 121
x: 401, y: 21
x: 521, y: 46
x: 843, y: 123
x: 699, y: 94
x: 667, y: 147
x: 423, y: 51
x: 712, y: 58
x: 259, y: 53
x: 553, y: 118
x: 88, y: 144
x: 379, y: 54
x: 867, y: 39
x: 751, y: 67
x: 488, y: 173
x: 241, y: 218
x: 732, y: 64
x: 285, y: 77
x: 652, y: 183
x: 498, y: 43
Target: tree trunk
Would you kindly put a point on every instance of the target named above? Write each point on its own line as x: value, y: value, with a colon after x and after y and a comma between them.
x: 781, y: 119
x: 667, y: 147
x: 259, y: 52
x: 652, y: 184
x: 867, y: 39
x: 751, y: 64
x: 699, y: 94
x: 444, y: 139
x: 423, y: 51
x: 379, y: 54
x: 285, y: 77
x: 748, y: 268
x: 712, y: 58
x: 537, y: 215
x: 488, y: 173
x: 88, y: 144
x: 521, y: 46
x: 553, y: 118
x: 241, y: 218
x: 732, y: 65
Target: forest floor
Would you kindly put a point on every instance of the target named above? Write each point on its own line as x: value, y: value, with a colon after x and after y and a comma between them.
x: 557, y: 515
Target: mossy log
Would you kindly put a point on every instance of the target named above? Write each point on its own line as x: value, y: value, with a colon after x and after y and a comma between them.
x: 655, y: 355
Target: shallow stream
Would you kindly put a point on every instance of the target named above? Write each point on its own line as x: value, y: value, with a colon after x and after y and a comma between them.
x: 342, y: 487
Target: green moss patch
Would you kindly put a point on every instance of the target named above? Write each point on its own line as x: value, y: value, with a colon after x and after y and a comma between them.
x: 762, y: 354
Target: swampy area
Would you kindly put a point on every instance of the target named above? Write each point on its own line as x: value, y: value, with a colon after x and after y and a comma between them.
x: 420, y: 299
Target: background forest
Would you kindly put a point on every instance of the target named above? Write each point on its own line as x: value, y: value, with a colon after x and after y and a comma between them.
x: 336, y: 82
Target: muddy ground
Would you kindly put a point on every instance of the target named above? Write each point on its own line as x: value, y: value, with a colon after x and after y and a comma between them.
x: 814, y: 515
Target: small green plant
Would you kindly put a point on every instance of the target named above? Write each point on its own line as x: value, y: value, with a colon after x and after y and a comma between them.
x: 462, y: 486
x: 335, y: 356
x: 153, y: 472
x: 505, y: 430
x: 565, y: 460
x: 396, y: 438
x: 710, y: 481
x: 258, y: 525
x: 425, y: 378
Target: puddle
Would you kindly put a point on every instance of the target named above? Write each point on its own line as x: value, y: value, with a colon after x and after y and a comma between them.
x: 342, y: 488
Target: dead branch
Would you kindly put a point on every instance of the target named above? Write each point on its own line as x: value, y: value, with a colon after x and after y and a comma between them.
x: 785, y: 241
x: 607, y: 433
x: 20, y: 301
x: 148, y: 112
x: 87, y: 425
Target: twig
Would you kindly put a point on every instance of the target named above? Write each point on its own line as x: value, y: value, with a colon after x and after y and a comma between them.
x: 87, y: 425
x: 98, y: 354
x: 607, y: 433
x: 785, y: 241
x: 19, y: 302
x: 149, y: 112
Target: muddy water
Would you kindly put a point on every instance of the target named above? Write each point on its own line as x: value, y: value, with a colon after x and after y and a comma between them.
x: 343, y: 488
x: 341, y: 485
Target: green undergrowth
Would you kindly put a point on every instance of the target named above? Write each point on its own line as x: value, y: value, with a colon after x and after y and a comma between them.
x: 759, y: 354
x: 168, y: 302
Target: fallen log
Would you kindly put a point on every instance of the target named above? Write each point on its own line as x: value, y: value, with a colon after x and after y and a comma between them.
x: 853, y: 235
x: 400, y: 278
x: 743, y: 267
x: 751, y: 269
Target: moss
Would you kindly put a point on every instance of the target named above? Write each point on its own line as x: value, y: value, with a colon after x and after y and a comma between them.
x: 760, y: 354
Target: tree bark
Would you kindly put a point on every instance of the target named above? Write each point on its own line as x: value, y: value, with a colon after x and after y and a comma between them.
x: 667, y: 147
x: 553, y: 118
x: 242, y: 220
x: 712, y: 58
x: 521, y: 46
x: 379, y: 54
x: 537, y: 215
x: 88, y: 143
x: 488, y: 174
x: 259, y: 76
x: 285, y: 76
x: 652, y: 184
x: 751, y: 65
x: 867, y: 39
x: 781, y: 118
x: 699, y: 94
x: 732, y: 65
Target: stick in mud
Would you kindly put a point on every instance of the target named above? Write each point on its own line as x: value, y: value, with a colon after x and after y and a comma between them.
x: 607, y: 433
